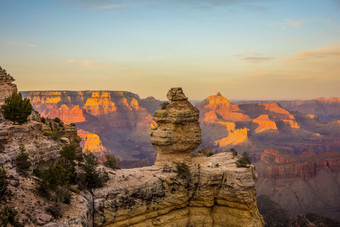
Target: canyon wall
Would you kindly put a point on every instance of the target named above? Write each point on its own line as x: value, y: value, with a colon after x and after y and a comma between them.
x: 306, y: 183
x: 114, y: 122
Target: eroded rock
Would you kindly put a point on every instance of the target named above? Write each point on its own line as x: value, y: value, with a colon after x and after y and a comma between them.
x: 178, y: 132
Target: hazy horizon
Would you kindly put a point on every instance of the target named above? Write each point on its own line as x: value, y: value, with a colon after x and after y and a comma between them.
x: 247, y: 50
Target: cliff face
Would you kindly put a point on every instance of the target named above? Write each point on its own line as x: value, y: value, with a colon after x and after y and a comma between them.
x: 297, y: 178
x: 113, y: 122
x: 35, y: 137
x: 326, y: 109
x: 217, y: 194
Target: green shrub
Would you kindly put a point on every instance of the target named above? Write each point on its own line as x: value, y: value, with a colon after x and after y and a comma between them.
x: 54, y: 211
x: 3, y: 181
x: 164, y: 105
x: 111, y: 161
x: 16, y: 109
x: 8, y: 216
x: 57, y: 119
x: 182, y: 170
x: 43, y: 120
x: 54, y: 134
x: 90, y: 177
x: 243, y: 161
x: 55, y: 181
x: 22, y: 161
x: 73, y: 124
x: 233, y: 150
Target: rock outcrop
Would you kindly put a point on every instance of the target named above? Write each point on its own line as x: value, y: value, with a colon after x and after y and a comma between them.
x: 178, y: 132
x: 7, y: 87
x: 215, y: 192
x: 43, y: 141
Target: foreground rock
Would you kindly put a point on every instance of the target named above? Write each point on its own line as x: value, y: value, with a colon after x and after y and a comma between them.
x: 217, y: 194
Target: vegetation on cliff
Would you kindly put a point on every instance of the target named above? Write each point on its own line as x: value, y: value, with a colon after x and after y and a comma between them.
x: 16, y: 109
x: 3, y: 181
x: 111, y: 162
x: 22, y: 161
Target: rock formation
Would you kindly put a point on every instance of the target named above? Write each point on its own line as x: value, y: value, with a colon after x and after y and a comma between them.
x: 216, y: 192
x: 91, y: 142
x: 7, y: 87
x: 178, y: 132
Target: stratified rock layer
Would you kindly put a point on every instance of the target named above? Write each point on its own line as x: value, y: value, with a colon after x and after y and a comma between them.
x: 178, y: 132
x: 217, y: 194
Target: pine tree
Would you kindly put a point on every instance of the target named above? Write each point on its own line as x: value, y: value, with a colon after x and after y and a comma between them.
x: 16, y: 109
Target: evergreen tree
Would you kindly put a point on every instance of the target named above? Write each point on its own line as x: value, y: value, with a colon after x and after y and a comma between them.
x: 16, y: 109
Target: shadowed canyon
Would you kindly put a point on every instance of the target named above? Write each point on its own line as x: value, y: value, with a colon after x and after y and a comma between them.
x: 295, y: 145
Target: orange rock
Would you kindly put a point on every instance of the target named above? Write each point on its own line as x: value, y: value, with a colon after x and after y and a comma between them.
x: 264, y: 123
x: 90, y: 141
x: 99, y: 104
x: 234, y: 137
x: 67, y: 114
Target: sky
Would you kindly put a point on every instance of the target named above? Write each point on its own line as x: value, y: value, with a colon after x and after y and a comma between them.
x: 246, y: 49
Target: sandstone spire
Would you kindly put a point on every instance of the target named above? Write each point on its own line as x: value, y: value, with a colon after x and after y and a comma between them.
x: 178, y: 132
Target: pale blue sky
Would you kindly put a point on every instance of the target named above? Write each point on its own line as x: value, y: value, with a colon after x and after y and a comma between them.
x: 247, y: 49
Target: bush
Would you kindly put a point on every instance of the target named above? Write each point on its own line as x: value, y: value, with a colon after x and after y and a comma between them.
x: 182, y: 170
x: 43, y: 120
x: 243, y: 161
x: 8, y: 216
x: 233, y: 150
x: 54, y: 211
x: 111, y: 161
x: 22, y: 161
x: 164, y: 105
x: 16, y: 109
x: 57, y: 119
x: 3, y: 181
x: 54, y: 182
x: 73, y: 124
x: 90, y: 177
x: 54, y: 134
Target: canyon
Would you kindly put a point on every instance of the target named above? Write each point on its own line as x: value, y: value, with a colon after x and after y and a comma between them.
x: 119, y: 122
x: 212, y: 190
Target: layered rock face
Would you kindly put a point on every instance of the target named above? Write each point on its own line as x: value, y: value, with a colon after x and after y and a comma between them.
x: 7, y: 87
x: 326, y: 109
x: 178, y: 131
x: 217, y: 194
x: 298, y: 178
x: 116, y: 122
x: 35, y: 137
